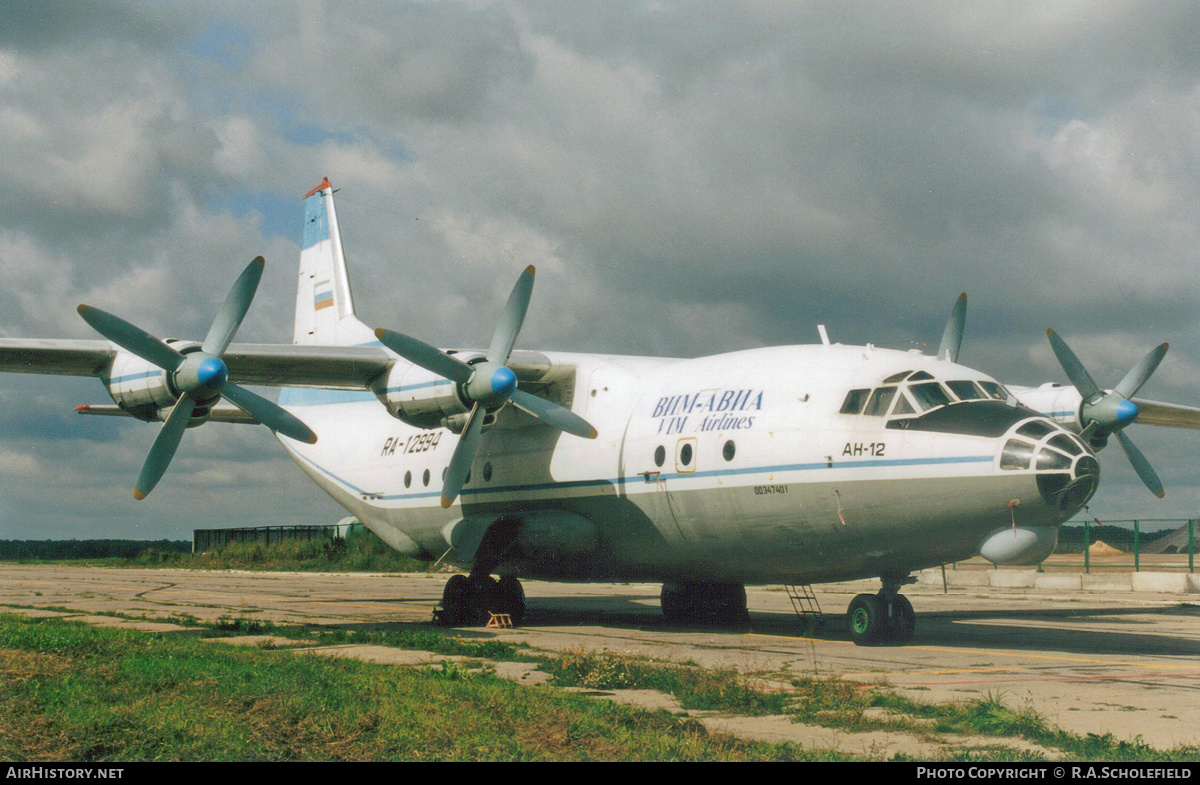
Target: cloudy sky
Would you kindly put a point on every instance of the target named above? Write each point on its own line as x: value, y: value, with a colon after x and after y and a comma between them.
x: 688, y: 177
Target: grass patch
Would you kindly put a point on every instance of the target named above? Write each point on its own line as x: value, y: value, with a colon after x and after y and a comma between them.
x: 722, y: 689
x: 359, y: 551
x: 991, y: 715
x: 76, y: 693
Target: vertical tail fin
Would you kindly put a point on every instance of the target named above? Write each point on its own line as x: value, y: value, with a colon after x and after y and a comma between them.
x: 324, y: 302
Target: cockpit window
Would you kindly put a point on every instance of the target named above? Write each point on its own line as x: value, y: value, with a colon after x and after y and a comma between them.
x: 994, y: 390
x: 929, y: 395
x: 903, y: 406
x: 1035, y: 429
x: 897, y: 377
x: 881, y: 399
x: 920, y: 376
x: 966, y: 390
x: 854, y: 401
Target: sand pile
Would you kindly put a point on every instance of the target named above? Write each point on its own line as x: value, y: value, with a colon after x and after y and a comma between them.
x: 1101, y: 548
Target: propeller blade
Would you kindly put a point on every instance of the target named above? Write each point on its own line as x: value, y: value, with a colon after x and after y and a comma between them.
x: 229, y: 318
x: 269, y: 414
x: 552, y: 414
x: 1075, y: 370
x: 1141, y: 465
x: 464, y: 455
x: 164, y: 447
x: 506, y: 333
x: 1137, y: 376
x: 428, y: 357
x: 131, y: 337
x: 953, y: 335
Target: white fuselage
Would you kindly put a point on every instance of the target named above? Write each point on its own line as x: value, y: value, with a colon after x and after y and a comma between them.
x: 733, y: 468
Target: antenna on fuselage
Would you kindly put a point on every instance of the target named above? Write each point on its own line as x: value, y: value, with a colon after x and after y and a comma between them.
x: 824, y: 335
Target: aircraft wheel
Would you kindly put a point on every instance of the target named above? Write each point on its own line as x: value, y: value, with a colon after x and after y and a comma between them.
x: 902, y: 620
x: 704, y: 603
x: 674, y: 602
x: 867, y: 619
x: 483, y: 598
x: 455, y: 601
x: 511, y: 598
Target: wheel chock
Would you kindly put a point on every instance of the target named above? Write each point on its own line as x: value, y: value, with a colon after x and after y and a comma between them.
x: 499, y: 620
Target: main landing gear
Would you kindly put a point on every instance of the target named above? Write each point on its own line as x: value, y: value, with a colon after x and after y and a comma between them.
x: 704, y: 603
x: 886, y: 617
x: 469, y: 600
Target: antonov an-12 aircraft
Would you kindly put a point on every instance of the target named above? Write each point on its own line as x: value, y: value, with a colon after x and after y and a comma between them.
x: 786, y: 465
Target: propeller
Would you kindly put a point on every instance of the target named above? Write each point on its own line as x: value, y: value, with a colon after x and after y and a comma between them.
x: 486, y: 385
x: 1102, y: 414
x: 953, y: 334
x: 200, y: 376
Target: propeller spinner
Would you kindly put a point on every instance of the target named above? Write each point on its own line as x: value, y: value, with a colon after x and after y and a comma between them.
x: 200, y: 376
x: 485, y: 385
x: 1102, y: 414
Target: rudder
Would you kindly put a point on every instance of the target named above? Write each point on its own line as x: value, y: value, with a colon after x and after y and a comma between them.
x: 324, y: 302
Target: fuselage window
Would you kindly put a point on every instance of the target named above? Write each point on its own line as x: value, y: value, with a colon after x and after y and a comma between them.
x: 853, y: 403
x: 965, y: 390
x: 407, y: 479
x: 685, y: 455
x: 487, y: 472
x: 729, y: 450
x: 881, y: 399
x: 929, y: 395
x: 660, y: 455
x: 425, y: 478
x: 1016, y: 455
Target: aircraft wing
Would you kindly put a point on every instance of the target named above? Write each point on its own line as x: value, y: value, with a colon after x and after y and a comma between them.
x: 270, y: 365
x: 62, y: 357
x: 1170, y: 415
x: 326, y: 367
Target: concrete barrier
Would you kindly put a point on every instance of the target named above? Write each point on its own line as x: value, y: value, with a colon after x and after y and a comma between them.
x: 1150, y: 582
x: 1161, y: 582
x: 1071, y: 581
x: 1013, y: 579
x: 1112, y: 581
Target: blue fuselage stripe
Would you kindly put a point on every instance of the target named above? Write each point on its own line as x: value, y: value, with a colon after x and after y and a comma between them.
x: 638, y: 478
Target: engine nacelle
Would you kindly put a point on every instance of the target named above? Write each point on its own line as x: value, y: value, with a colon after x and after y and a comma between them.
x: 145, y: 390
x: 420, y: 397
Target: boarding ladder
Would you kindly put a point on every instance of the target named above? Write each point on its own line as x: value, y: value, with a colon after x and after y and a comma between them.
x: 806, y: 606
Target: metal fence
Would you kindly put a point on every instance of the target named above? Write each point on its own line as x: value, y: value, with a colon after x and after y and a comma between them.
x: 1138, y: 544
x: 215, y: 539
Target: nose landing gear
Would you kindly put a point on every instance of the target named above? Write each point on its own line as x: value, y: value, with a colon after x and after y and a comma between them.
x: 886, y: 617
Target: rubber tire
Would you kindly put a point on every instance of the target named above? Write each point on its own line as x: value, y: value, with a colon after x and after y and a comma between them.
x: 867, y: 619
x: 902, y: 620
x: 455, y: 601
x: 511, y: 598
x: 482, y: 598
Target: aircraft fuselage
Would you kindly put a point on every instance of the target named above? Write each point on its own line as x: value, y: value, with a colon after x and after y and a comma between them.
x: 733, y: 468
